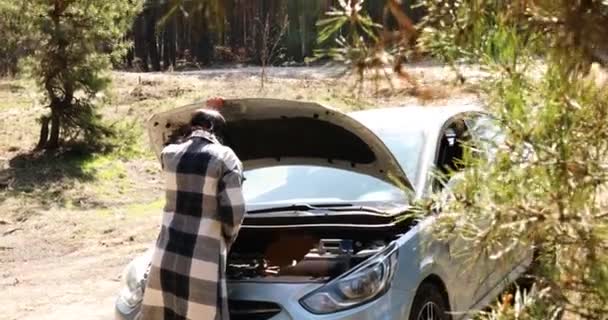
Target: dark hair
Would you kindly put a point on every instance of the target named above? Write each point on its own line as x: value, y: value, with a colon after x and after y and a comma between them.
x: 208, y: 120
x: 202, y: 119
x: 179, y: 134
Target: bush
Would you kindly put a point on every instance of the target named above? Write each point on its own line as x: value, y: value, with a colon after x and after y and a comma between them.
x: 545, y: 187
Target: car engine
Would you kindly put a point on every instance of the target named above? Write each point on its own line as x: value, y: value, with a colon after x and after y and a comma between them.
x: 302, y: 246
x: 300, y: 258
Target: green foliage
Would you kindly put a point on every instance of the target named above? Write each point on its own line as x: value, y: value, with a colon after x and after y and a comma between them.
x: 13, y: 27
x: 459, y: 29
x: 234, y: 28
x: 525, y: 305
x: 352, y: 30
x: 126, y: 142
x: 351, y: 16
x: 545, y: 184
x: 544, y: 187
x: 76, y: 41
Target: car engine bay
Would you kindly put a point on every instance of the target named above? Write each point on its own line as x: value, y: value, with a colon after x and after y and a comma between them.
x: 309, y: 246
x: 300, y: 259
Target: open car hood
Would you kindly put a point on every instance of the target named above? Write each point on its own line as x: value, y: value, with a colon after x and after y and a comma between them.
x: 267, y: 132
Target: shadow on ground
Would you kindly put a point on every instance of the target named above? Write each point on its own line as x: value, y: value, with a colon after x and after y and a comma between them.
x: 44, y: 176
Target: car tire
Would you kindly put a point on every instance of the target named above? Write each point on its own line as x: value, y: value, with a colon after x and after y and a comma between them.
x: 430, y: 304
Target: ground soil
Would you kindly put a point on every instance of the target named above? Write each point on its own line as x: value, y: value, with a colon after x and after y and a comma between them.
x: 66, y: 232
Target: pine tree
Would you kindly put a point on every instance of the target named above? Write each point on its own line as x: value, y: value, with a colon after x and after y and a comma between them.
x: 13, y: 26
x: 545, y: 184
x: 76, y: 43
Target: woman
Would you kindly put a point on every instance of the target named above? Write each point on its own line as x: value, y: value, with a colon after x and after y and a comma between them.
x: 203, y: 213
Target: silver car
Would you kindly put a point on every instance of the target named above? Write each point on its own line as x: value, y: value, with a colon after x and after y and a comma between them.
x: 327, y: 235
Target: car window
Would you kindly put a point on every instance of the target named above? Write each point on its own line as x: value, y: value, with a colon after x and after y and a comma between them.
x: 403, y: 138
x: 451, y: 147
x: 304, y: 183
x: 487, y: 134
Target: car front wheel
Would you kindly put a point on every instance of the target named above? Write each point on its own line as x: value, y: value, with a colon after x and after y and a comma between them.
x: 429, y: 304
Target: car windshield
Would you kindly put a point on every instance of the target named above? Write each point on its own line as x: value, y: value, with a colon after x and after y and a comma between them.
x: 405, y: 144
x: 316, y: 184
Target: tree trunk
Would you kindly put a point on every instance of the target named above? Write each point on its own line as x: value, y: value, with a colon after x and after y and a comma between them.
x: 53, y: 141
x: 129, y: 58
x: 202, y: 44
x: 169, y: 47
x: 234, y: 33
x: 140, y: 47
x: 294, y: 46
x: 130, y: 52
x: 44, y: 133
x: 151, y: 38
x: 205, y: 48
x: 304, y: 38
x: 182, y: 38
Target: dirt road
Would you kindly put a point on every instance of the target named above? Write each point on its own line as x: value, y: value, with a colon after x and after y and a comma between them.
x: 67, y: 265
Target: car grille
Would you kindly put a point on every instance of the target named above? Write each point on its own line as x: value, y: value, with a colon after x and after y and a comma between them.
x: 252, y: 310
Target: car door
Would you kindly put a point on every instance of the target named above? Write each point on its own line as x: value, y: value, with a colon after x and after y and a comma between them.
x: 471, y: 275
x: 489, y: 136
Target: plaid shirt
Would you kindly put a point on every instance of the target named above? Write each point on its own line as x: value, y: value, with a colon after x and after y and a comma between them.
x: 203, y: 212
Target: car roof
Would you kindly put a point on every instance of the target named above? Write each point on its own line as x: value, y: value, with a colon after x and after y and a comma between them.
x: 416, y: 115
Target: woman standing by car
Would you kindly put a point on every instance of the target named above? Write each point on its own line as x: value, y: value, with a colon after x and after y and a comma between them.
x: 202, y: 216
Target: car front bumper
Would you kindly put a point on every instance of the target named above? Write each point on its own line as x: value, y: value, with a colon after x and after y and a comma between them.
x: 122, y: 311
x: 394, y: 304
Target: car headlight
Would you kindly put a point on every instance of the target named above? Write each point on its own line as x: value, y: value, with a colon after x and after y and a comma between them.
x: 361, y: 285
x: 134, y: 279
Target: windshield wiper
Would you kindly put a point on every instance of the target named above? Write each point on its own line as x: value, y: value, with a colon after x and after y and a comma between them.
x: 334, y: 207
